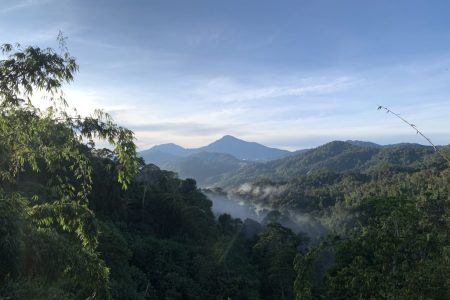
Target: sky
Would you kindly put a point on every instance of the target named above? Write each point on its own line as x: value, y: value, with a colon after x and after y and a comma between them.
x: 288, y: 74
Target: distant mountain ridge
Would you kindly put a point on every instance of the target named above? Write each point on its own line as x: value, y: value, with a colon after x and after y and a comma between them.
x: 228, y: 144
x: 170, y: 148
x: 210, y: 166
x: 364, y: 144
x: 336, y: 156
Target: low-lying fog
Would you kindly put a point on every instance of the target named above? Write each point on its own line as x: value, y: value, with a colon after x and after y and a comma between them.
x: 238, y: 208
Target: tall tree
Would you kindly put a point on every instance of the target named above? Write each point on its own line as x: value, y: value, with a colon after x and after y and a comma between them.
x: 46, y: 174
x: 275, y: 252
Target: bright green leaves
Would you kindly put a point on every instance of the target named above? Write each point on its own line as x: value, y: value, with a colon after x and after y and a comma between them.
x: 52, y: 149
x: 102, y: 127
x: 32, y: 68
x: 52, y: 140
x: 71, y: 217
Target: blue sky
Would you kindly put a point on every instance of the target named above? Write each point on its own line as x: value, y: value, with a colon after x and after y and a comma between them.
x: 289, y: 74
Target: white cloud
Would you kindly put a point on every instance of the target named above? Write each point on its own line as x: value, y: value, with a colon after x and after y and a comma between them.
x: 227, y: 90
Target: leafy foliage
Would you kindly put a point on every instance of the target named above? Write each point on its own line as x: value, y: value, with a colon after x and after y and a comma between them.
x: 50, y: 142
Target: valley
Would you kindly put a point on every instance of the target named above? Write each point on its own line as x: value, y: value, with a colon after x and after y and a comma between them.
x: 312, y: 190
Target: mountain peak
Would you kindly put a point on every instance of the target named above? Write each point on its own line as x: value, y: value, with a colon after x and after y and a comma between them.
x: 229, y: 138
x: 168, y: 145
x: 243, y: 149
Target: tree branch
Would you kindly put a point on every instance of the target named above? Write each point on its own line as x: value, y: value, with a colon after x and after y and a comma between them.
x: 436, y: 149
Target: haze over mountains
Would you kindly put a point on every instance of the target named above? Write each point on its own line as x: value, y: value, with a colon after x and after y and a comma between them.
x: 229, y: 161
x: 206, y: 164
x: 227, y: 144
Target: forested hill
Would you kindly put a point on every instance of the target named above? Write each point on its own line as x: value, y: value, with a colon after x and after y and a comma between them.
x: 335, y: 156
x: 226, y: 171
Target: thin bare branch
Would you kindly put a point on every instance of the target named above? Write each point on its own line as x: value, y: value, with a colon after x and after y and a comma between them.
x: 436, y: 149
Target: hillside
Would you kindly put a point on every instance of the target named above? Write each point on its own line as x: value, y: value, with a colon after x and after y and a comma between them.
x: 160, y: 158
x: 335, y: 156
x: 205, y: 167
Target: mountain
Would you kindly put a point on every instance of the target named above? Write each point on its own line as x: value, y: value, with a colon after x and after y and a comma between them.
x: 228, y: 144
x: 244, y: 150
x: 208, y: 164
x: 170, y: 148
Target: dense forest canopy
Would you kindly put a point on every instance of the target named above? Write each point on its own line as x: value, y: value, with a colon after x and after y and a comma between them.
x: 78, y: 222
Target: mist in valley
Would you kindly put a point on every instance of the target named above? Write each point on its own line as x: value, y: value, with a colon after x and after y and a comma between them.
x: 237, y: 207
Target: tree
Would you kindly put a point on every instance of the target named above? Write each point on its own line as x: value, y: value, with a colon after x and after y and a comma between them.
x: 397, y: 251
x: 57, y: 146
x: 275, y: 252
